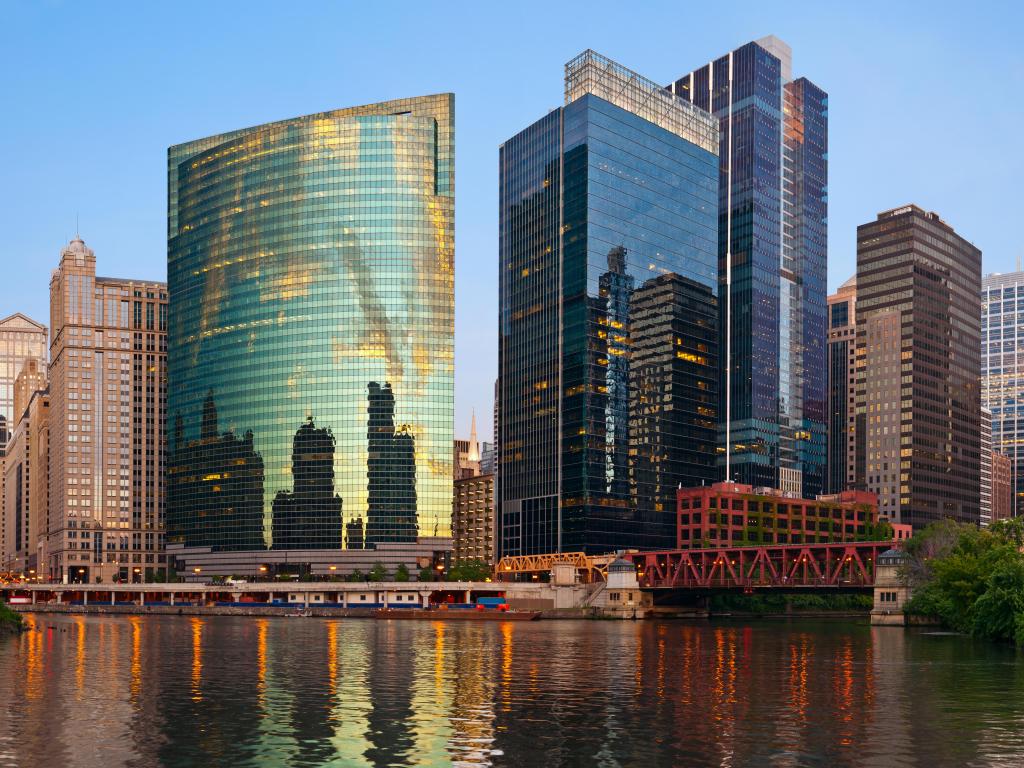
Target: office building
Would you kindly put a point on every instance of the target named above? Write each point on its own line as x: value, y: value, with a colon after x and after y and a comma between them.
x: 310, y: 350
x: 21, y: 339
x: 772, y: 253
x: 599, y: 201
x: 25, y: 486
x: 474, y: 533
x: 918, y: 367
x: 107, y: 393
x: 842, y: 374
x: 1002, y: 369
x: 985, y: 468
x: 734, y: 514
x: 1002, y: 487
x: 468, y: 459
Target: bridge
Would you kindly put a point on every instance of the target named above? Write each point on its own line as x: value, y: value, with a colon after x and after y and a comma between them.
x: 589, y: 567
x: 838, y: 566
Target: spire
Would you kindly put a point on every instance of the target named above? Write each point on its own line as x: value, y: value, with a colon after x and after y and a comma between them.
x: 474, y: 447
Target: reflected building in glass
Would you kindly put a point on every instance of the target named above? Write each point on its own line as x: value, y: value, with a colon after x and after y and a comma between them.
x: 310, y: 351
x: 608, y: 355
x: 772, y: 252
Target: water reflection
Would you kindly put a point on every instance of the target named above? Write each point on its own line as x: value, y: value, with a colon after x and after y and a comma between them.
x: 279, y: 692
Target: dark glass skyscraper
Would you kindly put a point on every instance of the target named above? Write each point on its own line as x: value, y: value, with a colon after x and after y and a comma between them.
x: 608, y: 355
x: 310, y: 348
x: 772, y: 252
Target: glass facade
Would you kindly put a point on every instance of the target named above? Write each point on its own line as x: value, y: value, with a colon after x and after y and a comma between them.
x: 311, y: 333
x: 21, y: 339
x: 842, y: 369
x: 1002, y: 370
x: 772, y: 255
x: 608, y: 310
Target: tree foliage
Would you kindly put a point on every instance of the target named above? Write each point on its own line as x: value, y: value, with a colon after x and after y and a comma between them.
x: 402, y: 573
x: 469, y: 570
x: 378, y: 572
x: 970, y: 579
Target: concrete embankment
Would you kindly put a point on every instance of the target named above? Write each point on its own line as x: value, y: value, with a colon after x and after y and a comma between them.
x: 191, y: 610
x: 224, y: 610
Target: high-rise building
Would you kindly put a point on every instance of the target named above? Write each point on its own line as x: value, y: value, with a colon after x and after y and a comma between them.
x: 468, y: 457
x: 107, y: 392
x: 842, y: 376
x: 1002, y: 487
x: 1002, y: 369
x: 985, y: 469
x: 26, y: 471
x: 772, y: 253
x: 474, y: 533
x: 31, y: 379
x: 310, y: 351
x: 918, y: 367
x: 487, y: 455
x: 605, y: 203
x: 21, y: 339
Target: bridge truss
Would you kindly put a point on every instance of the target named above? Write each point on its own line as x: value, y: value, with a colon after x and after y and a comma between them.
x: 840, y: 565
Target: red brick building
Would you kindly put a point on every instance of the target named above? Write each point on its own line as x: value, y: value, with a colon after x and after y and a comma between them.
x: 729, y: 514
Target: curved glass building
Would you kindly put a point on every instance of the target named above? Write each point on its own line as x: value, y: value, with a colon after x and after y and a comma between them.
x: 311, y: 339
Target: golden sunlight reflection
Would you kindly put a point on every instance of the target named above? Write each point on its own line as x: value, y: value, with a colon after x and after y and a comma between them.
x: 197, y: 659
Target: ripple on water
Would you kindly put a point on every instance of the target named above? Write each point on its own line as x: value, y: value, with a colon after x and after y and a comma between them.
x: 234, y: 691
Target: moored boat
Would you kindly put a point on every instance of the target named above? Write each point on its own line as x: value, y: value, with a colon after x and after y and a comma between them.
x: 441, y: 614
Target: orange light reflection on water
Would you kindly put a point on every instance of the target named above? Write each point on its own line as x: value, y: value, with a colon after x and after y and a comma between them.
x: 197, y: 659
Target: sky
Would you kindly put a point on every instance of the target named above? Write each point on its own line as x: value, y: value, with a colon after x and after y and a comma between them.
x: 924, y: 106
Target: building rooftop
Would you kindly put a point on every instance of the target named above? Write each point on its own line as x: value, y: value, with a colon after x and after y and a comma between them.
x: 592, y: 73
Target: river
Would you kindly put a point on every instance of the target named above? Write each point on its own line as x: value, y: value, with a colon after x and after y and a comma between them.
x: 96, y: 691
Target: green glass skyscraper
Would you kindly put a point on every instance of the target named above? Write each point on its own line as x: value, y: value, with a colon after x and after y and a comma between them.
x: 311, y: 340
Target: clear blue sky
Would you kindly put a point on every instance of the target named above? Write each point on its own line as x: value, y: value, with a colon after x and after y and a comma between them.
x: 925, y: 107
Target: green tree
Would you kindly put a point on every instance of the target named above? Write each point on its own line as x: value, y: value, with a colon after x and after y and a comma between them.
x: 970, y: 579
x: 356, y: 575
x: 469, y: 570
x: 402, y: 573
x: 426, y: 574
x: 378, y: 572
x: 881, y: 531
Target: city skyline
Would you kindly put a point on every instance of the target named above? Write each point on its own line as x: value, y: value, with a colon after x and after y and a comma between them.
x: 119, y: 198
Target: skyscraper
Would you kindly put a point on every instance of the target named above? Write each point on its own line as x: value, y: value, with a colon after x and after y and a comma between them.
x: 918, y: 367
x: 772, y: 252
x: 842, y: 376
x: 107, y: 394
x: 604, y: 203
x: 985, y: 468
x: 1002, y: 369
x: 26, y: 476
x: 310, y: 268
x: 21, y: 339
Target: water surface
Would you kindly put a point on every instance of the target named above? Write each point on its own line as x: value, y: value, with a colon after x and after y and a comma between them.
x: 96, y: 691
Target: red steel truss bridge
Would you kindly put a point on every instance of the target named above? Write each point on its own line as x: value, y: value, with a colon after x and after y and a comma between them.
x: 849, y: 565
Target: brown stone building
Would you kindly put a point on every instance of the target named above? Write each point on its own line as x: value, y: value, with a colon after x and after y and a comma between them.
x: 473, y: 525
x: 918, y: 367
x: 26, y: 495
x: 107, y: 393
x: 1002, y: 486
